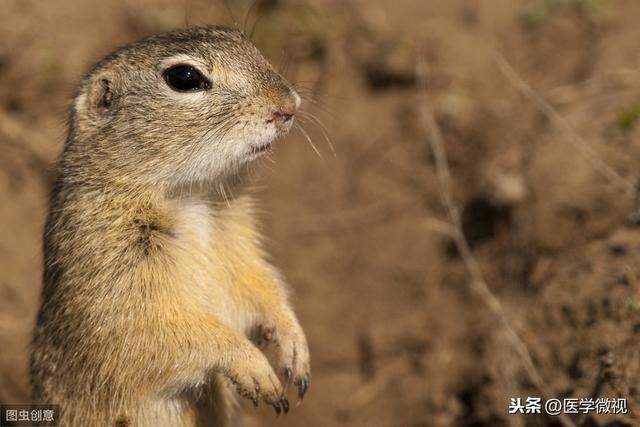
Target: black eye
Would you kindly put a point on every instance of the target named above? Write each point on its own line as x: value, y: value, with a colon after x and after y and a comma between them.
x: 185, y: 78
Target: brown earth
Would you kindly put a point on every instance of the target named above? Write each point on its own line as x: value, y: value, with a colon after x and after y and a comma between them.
x: 397, y: 336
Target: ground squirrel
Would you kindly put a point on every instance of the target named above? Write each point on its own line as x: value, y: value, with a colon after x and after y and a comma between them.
x: 154, y: 277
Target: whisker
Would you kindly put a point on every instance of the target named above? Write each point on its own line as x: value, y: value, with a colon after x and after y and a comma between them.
x: 187, y: 13
x: 255, y: 24
x: 321, y: 105
x: 323, y: 129
x: 207, y: 15
x: 313, y: 96
x: 301, y: 82
x: 306, y: 135
x: 284, y: 67
x: 269, y: 158
x: 313, y: 93
x: 325, y: 109
x: 231, y: 15
x: 247, y: 16
x: 223, y: 194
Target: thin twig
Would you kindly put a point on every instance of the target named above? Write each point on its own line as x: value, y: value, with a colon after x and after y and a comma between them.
x: 574, y: 137
x: 477, y: 282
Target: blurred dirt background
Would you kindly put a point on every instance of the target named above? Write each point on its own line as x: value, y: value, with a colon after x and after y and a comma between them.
x: 397, y: 336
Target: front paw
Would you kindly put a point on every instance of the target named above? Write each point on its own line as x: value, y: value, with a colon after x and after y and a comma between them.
x: 292, y: 355
x: 255, y: 379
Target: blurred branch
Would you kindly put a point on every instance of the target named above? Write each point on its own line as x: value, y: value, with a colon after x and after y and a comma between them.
x: 574, y: 137
x: 477, y: 283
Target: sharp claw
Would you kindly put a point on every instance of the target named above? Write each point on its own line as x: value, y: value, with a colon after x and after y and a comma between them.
x: 285, y: 405
x: 277, y: 407
x: 303, y: 386
x: 300, y: 389
x: 255, y: 401
x: 288, y: 374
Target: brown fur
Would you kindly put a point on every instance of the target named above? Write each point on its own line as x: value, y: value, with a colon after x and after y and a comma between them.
x: 154, y: 275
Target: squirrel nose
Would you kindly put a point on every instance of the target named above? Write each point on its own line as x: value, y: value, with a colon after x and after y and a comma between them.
x: 283, y: 116
x: 287, y: 109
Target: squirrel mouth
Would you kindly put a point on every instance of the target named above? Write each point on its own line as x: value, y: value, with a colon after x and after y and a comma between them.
x: 261, y: 149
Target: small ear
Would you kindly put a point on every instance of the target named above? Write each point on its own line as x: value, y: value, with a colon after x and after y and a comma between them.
x: 105, y: 95
x: 102, y: 93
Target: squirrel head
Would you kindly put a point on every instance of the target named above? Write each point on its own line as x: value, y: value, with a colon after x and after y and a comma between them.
x: 189, y: 106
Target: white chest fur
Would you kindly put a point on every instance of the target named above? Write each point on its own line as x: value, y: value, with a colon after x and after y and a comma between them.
x: 207, y: 282
x: 194, y: 225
